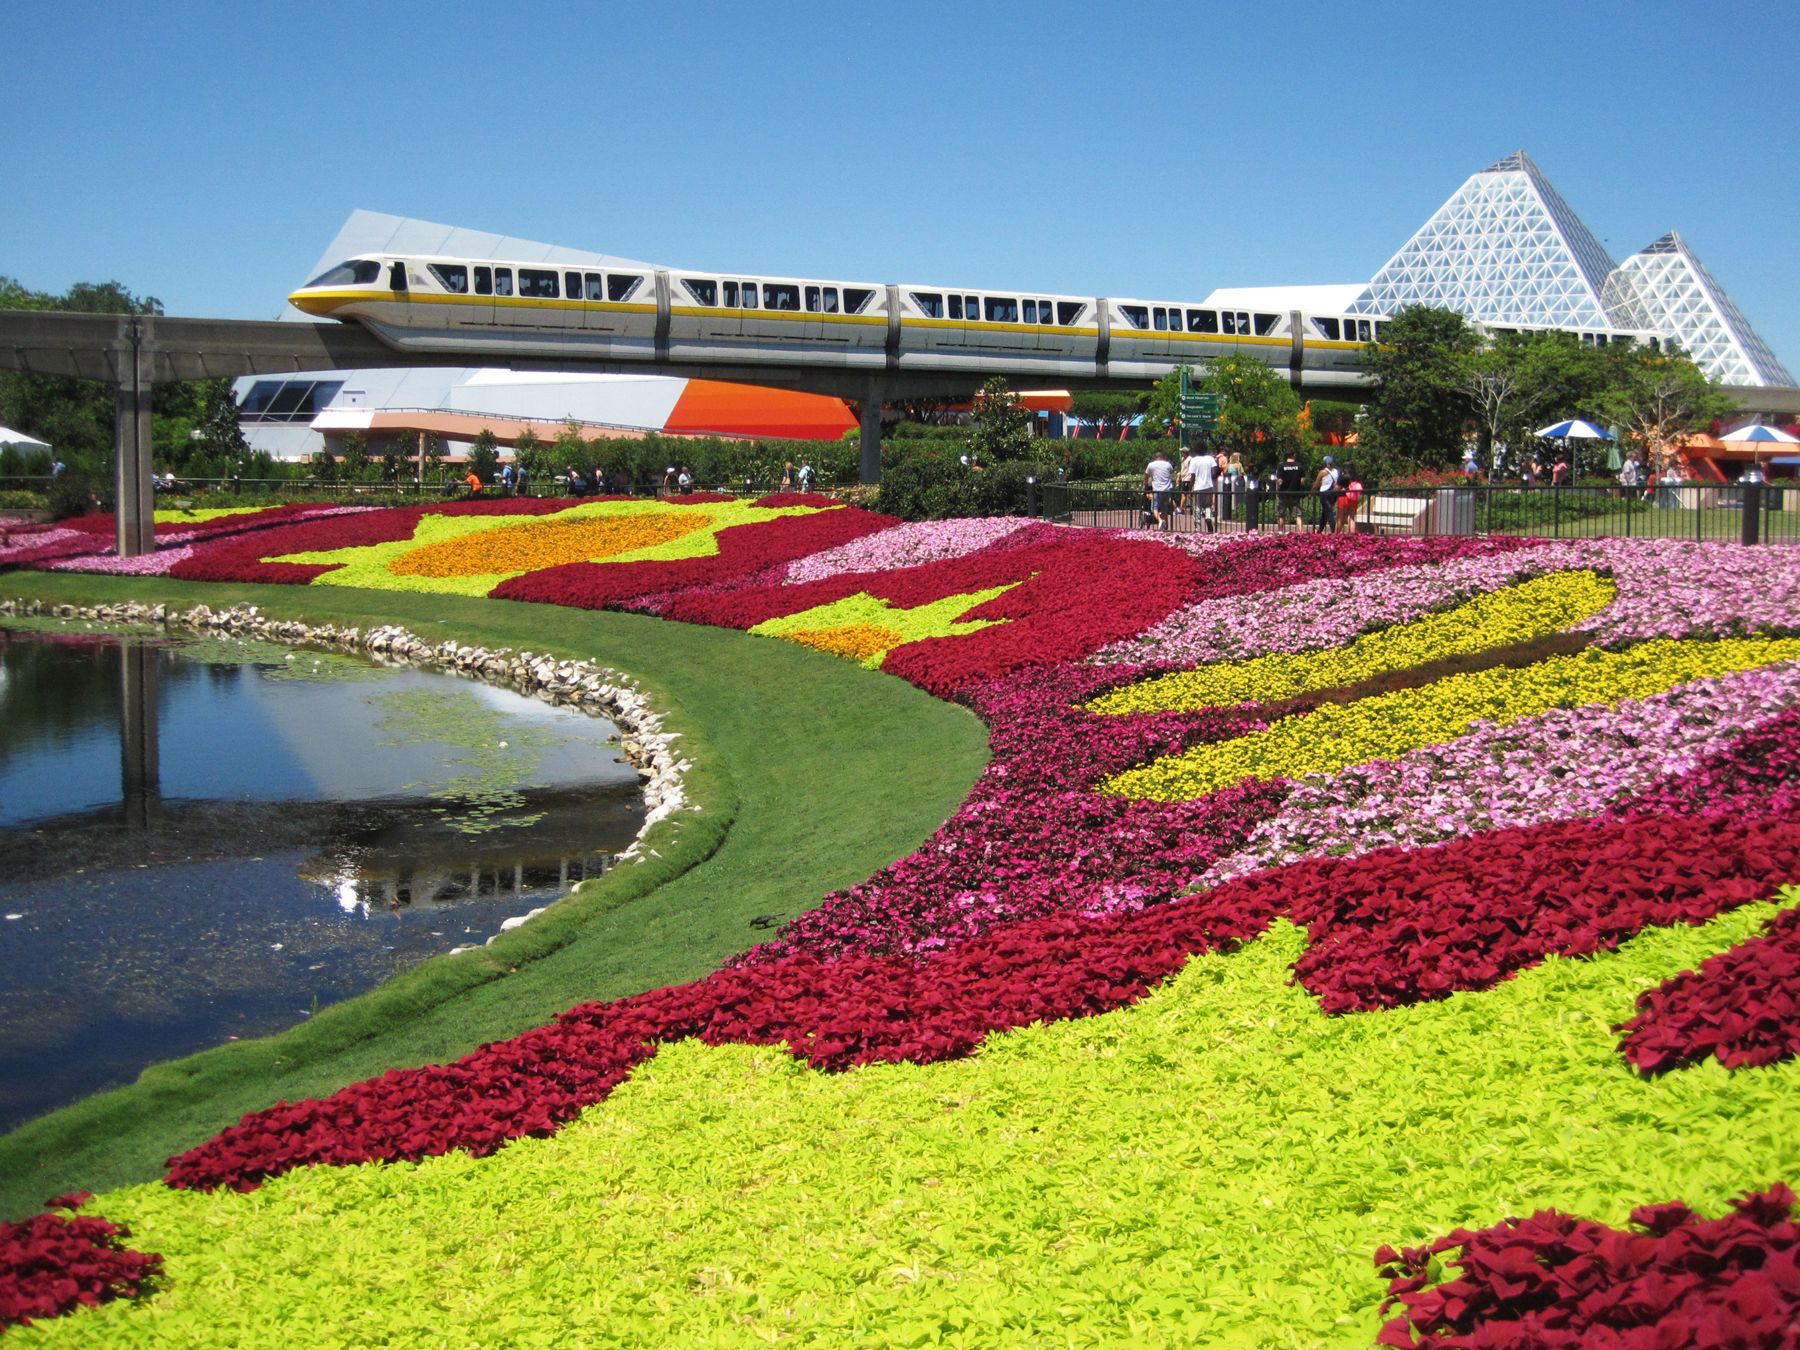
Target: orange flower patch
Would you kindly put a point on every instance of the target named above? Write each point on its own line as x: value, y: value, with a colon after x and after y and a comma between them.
x: 853, y: 642
x: 547, y: 543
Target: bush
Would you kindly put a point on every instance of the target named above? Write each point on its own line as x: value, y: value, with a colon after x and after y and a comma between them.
x: 938, y: 486
x: 69, y: 493
x: 23, y: 501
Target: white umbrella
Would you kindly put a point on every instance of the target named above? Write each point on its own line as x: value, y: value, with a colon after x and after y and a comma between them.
x: 18, y: 440
x: 1573, y: 430
x: 1758, y: 435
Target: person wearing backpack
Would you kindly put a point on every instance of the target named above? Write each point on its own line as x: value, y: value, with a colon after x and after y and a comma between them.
x: 1325, y: 483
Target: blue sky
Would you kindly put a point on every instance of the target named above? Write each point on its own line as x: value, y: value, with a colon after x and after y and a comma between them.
x: 207, y: 153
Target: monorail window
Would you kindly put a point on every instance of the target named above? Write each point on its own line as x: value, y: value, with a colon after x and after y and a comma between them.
x: 812, y: 299
x: 750, y: 295
x: 831, y: 299
x: 1031, y: 311
x: 594, y: 285
x: 856, y: 299
x: 452, y: 277
x: 780, y: 295
x: 397, y: 276
x: 537, y: 283
x: 971, y: 307
x: 1234, y: 321
x: 821, y: 300
x: 1067, y: 311
x: 620, y: 287
x: 572, y: 285
x: 1138, y: 316
x: 1044, y: 312
x: 704, y: 292
x: 1202, y: 321
x: 1265, y: 324
x: 1001, y: 309
x: 1356, y: 330
x: 956, y: 308
x: 503, y: 281
x: 356, y: 272
x: 1159, y: 319
x: 484, y: 281
x: 931, y: 305
x: 1327, y: 328
x: 731, y: 295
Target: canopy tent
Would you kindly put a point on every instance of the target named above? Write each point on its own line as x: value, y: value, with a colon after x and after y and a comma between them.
x: 1573, y: 430
x: 18, y: 440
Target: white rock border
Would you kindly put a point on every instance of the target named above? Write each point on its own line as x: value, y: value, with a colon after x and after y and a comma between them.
x: 592, y: 688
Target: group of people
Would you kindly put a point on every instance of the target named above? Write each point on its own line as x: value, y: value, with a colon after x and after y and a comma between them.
x: 1212, y: 487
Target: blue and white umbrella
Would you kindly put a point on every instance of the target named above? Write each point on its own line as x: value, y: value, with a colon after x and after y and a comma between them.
x: 1573, y: 430
x: 1758, y: 434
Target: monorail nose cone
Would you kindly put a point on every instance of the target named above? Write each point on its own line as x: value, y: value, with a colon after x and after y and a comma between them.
x: 304, y: 301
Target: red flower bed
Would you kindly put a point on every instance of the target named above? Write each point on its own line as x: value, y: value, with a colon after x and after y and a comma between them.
x: 50, y: 1264
x: 1397, y: 926
x: 743, y: 549
x: 1073, y: 592
x: 1557, y: 1281
x: 1388, y: 928
x: 241, y: 559
x: 1742, y: 1006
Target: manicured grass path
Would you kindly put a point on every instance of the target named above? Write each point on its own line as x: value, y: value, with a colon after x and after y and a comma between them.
x: 811, y: 773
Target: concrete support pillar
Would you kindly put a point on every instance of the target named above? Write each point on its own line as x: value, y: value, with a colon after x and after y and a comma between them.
x: 873, y: 393
x: 133, y: 441
x: 140, y: 775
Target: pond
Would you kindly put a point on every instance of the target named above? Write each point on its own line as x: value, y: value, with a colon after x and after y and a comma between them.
x: 203, y: 840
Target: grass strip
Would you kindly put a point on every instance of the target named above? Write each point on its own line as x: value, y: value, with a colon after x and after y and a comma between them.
x: 809, y: 772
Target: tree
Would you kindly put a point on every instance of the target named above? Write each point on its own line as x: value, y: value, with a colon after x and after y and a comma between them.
x: 1659, y: 397
x: 1497, y: 396
x: 569, y: 447
x: 355, y: 465
x: 393, y: 458
x: 325, y: 467
x: 434, y: 454
x: 1111, y: 411
x: 484, y: 453
x: 221, y: 437
x: 1418, y: 405
x: 999, y: 429
x: 1259, y: 412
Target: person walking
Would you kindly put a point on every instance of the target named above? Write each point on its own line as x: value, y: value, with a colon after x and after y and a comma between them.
x: 1159, y: 482
x: 1205, y: 467
x: 1233, y: 487
x: 1288, y: 479
x: 805, y: 480
x: 1325, y: 483
x: 1348, y: 502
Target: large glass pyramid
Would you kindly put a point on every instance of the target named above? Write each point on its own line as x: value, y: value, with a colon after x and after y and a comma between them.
x: 1663, y: 287
x: 1505, y: 249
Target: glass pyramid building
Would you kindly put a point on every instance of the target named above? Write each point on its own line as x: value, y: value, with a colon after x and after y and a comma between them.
x: 1664, y: 287
x: 1506, y: 249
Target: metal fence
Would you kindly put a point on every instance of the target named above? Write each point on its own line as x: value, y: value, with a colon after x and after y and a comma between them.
x: 1745, y: 513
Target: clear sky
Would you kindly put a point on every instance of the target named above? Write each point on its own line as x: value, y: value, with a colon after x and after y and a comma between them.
x: 207, y: 153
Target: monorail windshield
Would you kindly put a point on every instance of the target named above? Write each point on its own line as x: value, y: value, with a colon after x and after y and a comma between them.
x: 356, y: 272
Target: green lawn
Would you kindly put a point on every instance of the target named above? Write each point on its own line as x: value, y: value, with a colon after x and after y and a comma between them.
x: 810, y: 774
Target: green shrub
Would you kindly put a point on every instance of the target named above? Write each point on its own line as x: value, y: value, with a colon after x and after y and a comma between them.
x: 23, y: 501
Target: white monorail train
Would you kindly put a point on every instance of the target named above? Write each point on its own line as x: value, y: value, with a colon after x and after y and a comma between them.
x: 481, y: 309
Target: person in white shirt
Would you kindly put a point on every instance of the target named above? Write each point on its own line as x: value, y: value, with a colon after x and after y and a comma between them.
x: 1202, y: 471
x: 1159, y: 483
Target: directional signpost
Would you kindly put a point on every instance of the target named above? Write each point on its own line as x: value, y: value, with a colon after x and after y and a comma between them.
x: 1199, y: 412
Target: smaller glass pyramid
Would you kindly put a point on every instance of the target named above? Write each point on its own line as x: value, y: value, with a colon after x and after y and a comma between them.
x: 1665, y: 288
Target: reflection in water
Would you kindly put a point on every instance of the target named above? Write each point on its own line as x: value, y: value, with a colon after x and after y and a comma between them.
x: 206, y: 840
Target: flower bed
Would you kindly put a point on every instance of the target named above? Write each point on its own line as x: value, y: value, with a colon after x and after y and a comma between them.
x: 1302, y: 912
x: 50, y: 1265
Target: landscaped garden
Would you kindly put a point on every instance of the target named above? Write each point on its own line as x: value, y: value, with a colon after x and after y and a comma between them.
x: 1346, y: 939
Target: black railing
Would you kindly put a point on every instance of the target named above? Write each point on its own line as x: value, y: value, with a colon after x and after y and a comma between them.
x: 1747, y: 513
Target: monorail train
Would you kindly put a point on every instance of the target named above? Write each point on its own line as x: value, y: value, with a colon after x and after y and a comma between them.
x: 482, y: 309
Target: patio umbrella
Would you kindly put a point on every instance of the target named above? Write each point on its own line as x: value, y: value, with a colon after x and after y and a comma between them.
x: 1758, y: 435
x: 18, y: 440
x: 1573, y: 430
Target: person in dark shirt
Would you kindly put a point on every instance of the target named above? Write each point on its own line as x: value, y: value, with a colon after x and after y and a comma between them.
x: 1288, y: 480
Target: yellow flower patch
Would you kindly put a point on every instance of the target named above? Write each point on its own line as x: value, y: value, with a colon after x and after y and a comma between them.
x: 1515, y: 614
x: 853, y: 642
x: 1385, y: 726
x: 546, y: 543
x: 472, y: 554
x: 865, y: 620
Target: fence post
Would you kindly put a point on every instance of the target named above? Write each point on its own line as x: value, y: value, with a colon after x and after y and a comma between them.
x: 1753, y: 506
